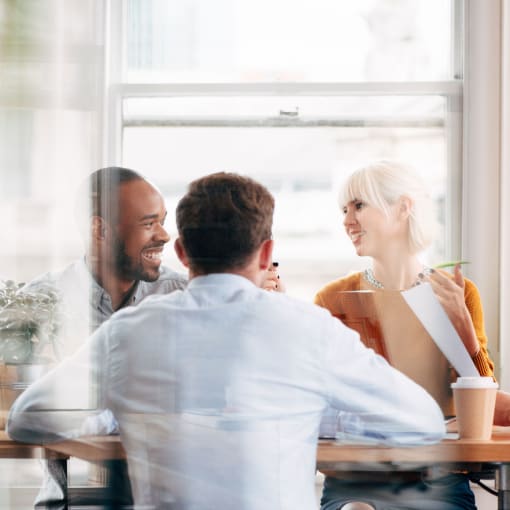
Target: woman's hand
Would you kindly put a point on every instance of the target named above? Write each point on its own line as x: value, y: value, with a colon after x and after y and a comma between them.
x: 272, y: 281
x: 450, y: 293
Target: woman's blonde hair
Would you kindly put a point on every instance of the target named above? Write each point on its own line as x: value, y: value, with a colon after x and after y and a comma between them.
x: 381, y: 184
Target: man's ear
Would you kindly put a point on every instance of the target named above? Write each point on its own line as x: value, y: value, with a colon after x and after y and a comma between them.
x: 181, y: 253
x: 98, y: 228
x: 266, y: 254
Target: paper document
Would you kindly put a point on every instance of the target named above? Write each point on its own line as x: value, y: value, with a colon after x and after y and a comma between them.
x: 424, y: 303
x: 387, y: 325
x: 413, y: 332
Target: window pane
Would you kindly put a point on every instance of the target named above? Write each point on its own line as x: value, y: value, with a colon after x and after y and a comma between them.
x: 305, y: 41
x: 303, y: 168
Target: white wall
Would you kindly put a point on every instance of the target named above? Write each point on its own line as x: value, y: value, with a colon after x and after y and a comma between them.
x: 481, y: 218
x: 505, y: 202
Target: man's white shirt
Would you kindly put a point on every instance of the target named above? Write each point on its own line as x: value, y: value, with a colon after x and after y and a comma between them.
x: 219, y: 390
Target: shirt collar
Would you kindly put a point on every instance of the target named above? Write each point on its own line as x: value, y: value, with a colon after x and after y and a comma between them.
x: 98, y: 295
x: 221, y: 279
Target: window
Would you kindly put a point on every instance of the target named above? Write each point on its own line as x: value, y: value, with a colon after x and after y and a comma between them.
x: 51, y: 94
x: 296, y: 95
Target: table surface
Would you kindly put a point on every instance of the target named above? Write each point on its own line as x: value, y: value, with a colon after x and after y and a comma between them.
x: 329, y: 452
x: 93, y: 448
x: 497, y: 449
x: 10, y: 449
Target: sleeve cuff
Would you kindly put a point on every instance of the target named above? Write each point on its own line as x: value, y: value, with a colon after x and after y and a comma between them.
x: 482, y: 364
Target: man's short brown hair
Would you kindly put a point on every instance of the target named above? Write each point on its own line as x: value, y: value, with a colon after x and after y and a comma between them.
x: 222, y: 220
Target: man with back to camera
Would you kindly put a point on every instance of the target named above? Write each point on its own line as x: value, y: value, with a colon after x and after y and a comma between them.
x: 121, y: 215
x: 219, y: 389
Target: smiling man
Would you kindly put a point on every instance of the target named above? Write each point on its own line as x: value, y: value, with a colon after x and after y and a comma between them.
x: 122, y: 218
x: 127, y: 237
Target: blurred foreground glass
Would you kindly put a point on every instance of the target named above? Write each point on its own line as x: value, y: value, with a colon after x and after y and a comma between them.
x: 51, y: 93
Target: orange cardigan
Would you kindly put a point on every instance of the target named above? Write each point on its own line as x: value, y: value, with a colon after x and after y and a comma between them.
x: 482, y: 360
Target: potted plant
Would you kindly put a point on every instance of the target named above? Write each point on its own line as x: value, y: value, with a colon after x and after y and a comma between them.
x: 28, y: 328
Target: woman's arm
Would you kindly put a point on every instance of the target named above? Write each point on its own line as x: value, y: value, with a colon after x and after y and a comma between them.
x: 473, y: 304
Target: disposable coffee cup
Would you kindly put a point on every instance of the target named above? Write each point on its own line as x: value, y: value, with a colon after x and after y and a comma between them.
x: 475, y: 399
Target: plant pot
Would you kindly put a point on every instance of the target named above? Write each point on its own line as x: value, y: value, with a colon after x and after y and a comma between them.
x: 14, y: 379
x: 15, y: 345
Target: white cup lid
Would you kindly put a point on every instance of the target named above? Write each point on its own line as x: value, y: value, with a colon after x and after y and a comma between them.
x: 475, y: 382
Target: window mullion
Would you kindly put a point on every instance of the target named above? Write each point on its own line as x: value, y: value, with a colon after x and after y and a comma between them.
x: 450, y: 87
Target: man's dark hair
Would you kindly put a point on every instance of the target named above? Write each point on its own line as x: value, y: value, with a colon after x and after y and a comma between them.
x: 222, y: 220
x: 99, y: 194
x: 104, y: 185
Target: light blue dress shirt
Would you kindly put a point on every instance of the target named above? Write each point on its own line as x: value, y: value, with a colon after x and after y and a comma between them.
x: 219, y: 390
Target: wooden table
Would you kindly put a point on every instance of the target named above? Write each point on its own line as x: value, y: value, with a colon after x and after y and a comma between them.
x: 455, y: 453
x: 331, y: 455
x: 10, y: 449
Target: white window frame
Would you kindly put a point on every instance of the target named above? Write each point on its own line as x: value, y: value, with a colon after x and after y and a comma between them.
x: 452, y: 90
x: 505, y: 204
x: 471, y: 233
x: 485, y: 241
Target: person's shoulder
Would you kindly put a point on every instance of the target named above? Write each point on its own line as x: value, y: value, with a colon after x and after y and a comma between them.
x: 167, y: 282
x: 471, y: 293
x: 43, y: 280
x: 348, y: 282
x: 351, y: 281
x: 166, y: 273
x: 470, y: 285
x: 172, y: 278
x: 153, y: 299
x: 55, y: 280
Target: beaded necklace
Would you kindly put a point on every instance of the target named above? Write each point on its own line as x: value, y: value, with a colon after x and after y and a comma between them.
x: 368, y: 276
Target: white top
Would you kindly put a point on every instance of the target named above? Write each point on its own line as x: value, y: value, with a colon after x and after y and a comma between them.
x: 219, y: 390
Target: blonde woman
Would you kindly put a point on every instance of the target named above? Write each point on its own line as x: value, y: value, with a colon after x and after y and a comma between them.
x: 389, y: 216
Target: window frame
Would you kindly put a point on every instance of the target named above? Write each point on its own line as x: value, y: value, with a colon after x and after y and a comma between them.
x: 451, y: 90
x: 466, y: 230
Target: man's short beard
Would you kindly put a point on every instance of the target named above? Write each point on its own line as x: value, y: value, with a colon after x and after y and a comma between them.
x: 127, y: 268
